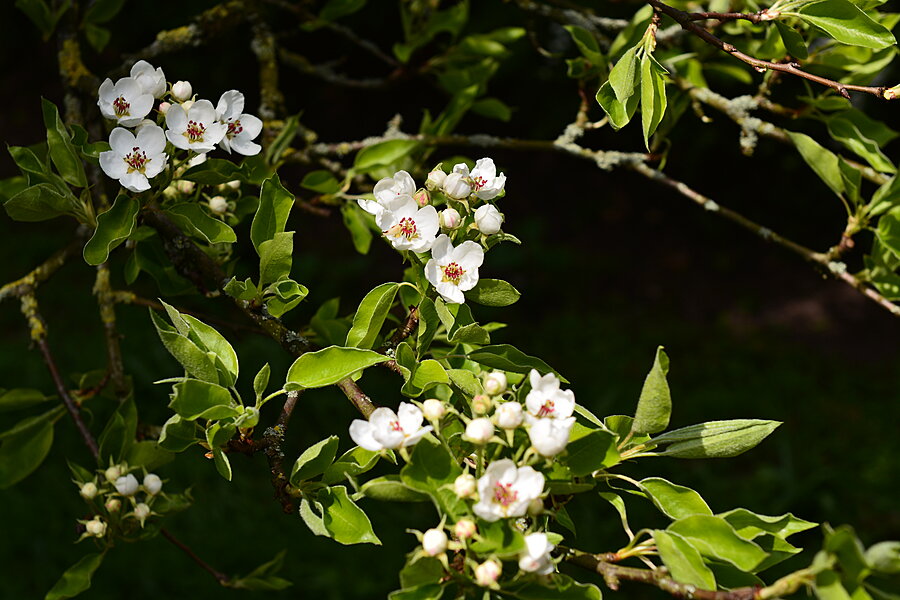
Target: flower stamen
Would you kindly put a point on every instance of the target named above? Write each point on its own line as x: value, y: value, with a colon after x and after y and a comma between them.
x: 405, y: 228
x: 194, y: 132
x: 453, y: 273
x: 121, y: 106
x: 234, y: 128
x: 504, y: 494
x: 546, y: 409
x: 136, y: 160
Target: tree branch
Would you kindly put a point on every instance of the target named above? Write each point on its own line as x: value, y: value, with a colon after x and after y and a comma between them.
x: 222, y: 578
x: 41, y: 273
x: 107, y: 304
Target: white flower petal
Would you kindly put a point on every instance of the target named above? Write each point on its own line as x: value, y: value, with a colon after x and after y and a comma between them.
x: 243, y: 145
x: 450, y: 292
x: 134, y: 181
x: 178, y: 140
x: 155, y: 165
x: 252, y: 126
x: 202, y: 111
x: 361, y: 433
x: 469, y: 255
x: 106, y: 92
x: 410, y: 417
x: 230, y: 105
x: 151, y: 139
x: 441, y: 250
x: 214, y: 133
x: 112, y: 164
x: 176, y: 121
x: 121, y: 141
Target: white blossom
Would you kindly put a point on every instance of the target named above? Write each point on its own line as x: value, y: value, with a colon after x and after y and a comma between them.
x: 134, y: 160
x: 218, y: 205
x: 485, y: 181
x: 182, y: 90
x: 435, y: 180
x: 408, y: 227
x: 125, y: 101
x: 488, y: 219
x: 389, y: 188
x: 88, y: 490
x: 152, y: 483
x: 546, y: 400
x: 141, y: 512
x: 479, y: 431
x: 127, y: 485
x: 536, y: 558
x: 434, y: 542
x: 433, y: 409
x: 495, y: 383
x: 385, y: 429
x: 450, y: 218
x: 453, y: 271
x: 550, y: 436
x: 241, y: 128
x: 113, y: 473
x: 509, y: 415
x: 96, y: 527
x: 506, y: 490
x: 195, y: 129
x: 152, y: 81
x: 457, y: 184
x: 487, y: 573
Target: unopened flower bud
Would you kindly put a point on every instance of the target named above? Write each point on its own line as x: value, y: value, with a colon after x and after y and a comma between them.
x: 536, y: 507
x: 486, y: 573
x: 113, y: 505
x: 495, y: 382
x: 464, y: 529
x: 422, y: 198
x: 185, y: 187
x: 488, y: 219
x: 152, y: 483
x: 170, y: 193
x: 464, y: 486
x: 164, y: 107
x: 127, y: 485
x: 457, y: 186
x: 113, y: 473
x: 481, y: 404
x: 182, y: 90
x: 433, y: 409
x: 187, y: 104
x: 96, y: 527
x: 509, y: 415
x: 88, y: 490
x: 435, y: 180
x: 218, y: 205
x: 434, y: 542
x: 450, y: 218
x: 234, y: 184
x: 479, y: 431
x: 141, y: 512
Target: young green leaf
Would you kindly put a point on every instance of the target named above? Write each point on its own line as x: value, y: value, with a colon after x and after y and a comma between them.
x: 509, y: 358
x: 77, y: 578
x: 792, y: 40
x: 113, y: 227
x: 370, y: 316
x: 271, y: 216
x: 653, y: 96
x: 845, y: 22
x: 213, y: 171
x: 716, y: 538
x: 721, y: 439
x: 321, y: 181
x: 655, y: 404
x: 390, y: 488
x: 493, y: 292
x: 38, y: 203
x: 383, y: 154
x: 623, y: 76
x: 586, y: 44
x: 750, y: 525
x: 314, y: 460
x: 193, y: 218
x: 24, y: 452
x: 431, y: 470
x: 675, y: 501
x: 223, y: 465
x: 355, y: 461
x: 683, y: 561
x: 329, y: 365
x: 275, y: 257
x: 63, y: 154
x: 619, y: 112
x: 194, y: 399
x: 356, y: 224
x: 344, y: 521
x: 596, y: 450
x: 19, y: 398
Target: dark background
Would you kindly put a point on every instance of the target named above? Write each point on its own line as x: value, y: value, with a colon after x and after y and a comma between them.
x: 611, y: 266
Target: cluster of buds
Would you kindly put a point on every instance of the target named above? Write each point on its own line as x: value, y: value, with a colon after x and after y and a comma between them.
x: 194, y: 125
x: 109, y: 490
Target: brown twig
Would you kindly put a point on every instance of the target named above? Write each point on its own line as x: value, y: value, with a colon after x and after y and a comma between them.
x: 42, y: 272
x: 222, y: 578
x: 754, y: 18
x: 687, y: 23
x: 107, y: 304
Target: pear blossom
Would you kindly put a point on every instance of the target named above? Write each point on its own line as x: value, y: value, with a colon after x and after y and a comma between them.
x: 464, y: 529
x: 536, y: 558
x: 464, y: 485
x: 96, y: 527
x: 152, y: 483
x: 113, y: 505
x: 141, y: 512
x: 163, y: 107
x: 509, y: 415
x: 152, y: 81
x: 487, y: 573
x: 453, y: 271
x: 113, y: 473
x: 506, y: 490
x: 485, y: 182
x: 385, y: 429
x: 125, y: 102
x: 433, y: 409
x: 546, y: 400
x: 88, y: 490
x: 550, y: 436
x: 495, y: 383
x: 127, y: 485
x: 134, y: 160
x: 434, y: 542
x: 182, y: 90
x: 450, y: 218
x: 407, y: 226
x: 241, y: 128
x: 479, y: 431
x: 195, y: 129
x: 488, y: 219
x: 481, y: 404
x: 401, y: 184
x: 457, y: 184
x: 435, y: 180
x: 218, y: 205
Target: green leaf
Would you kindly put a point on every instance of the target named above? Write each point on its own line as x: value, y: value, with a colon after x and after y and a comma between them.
x: 492, y: 108
x: 31, y: 424
x: 425, y: 376
x: 194, y: 399
x: 19, y: 398
x: 23, y: 452
x: 335, y: 9
x: 194, y: 360
x: 466, y: 381
x: 40, y: 15
x: 314, y: 460
x: 101, y: 11
x: 352, y: 463
x: 793, y: 41
x: 888, y: 230
x: 596, y: 450
x: 390, y: 488
x: 508, y: 358
x: 426, y: 570
x: 653, y: 96
x: 750, y: 525
x: 118, y: 435
x: 655, y: 404
x: 828, y: 587
x: 63, y: 154
x: 716, y: 439
x: 210, y: 340
x: 623, y: 76
x: 261, y: 382
x: 329, y: 365
x: 37, y: 203
x: 619, y: 112
x: 271, y: 216
x: 193, y: 218
x: 370, y: 316
x: 321, y: 181
x: 716, y: 538
x: 683, y: 561
x: 345, y: 522
x: 561, y: 587
x: 284, y: 296
x: 355, y: 222
x: 148, y: 454
x: 432, y: 470
x: 675, y: 501
x: 845, y: 22
x: 500, y: 538
x: 823, y: 162
x: 113, y: 227
x: 493, y: 292
x: 223, y: 465
x: 884, y: 557
x: 177, y: 434
x: 213, y: 171
x: 76, y: 579
x: 275, y: 256
x: 586, y: 43
x: 263, y: 577
x: 429, y: 322
x: 616, y: 501
x: 283, y: 140
x: 383, y: 154
x: 97, y: 37
x: 864, y: 136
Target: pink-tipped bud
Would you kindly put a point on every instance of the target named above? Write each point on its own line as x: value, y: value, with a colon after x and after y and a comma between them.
x: 450, y: 218
x: 434, y: 542
x: 481, y: 404
x: 422, y: 198
x: 433, y: 409
x: 113, y: 505
x: 185, y: 187
x: 465, y: 485
x: 164, y: 107
x: 495, y: 382
x: 465, y: 529
x: 487, y: 573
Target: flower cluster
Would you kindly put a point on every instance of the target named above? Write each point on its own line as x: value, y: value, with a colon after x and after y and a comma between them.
x: 106, y: 493
x: 409, y: 220
x: 193, y: 125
